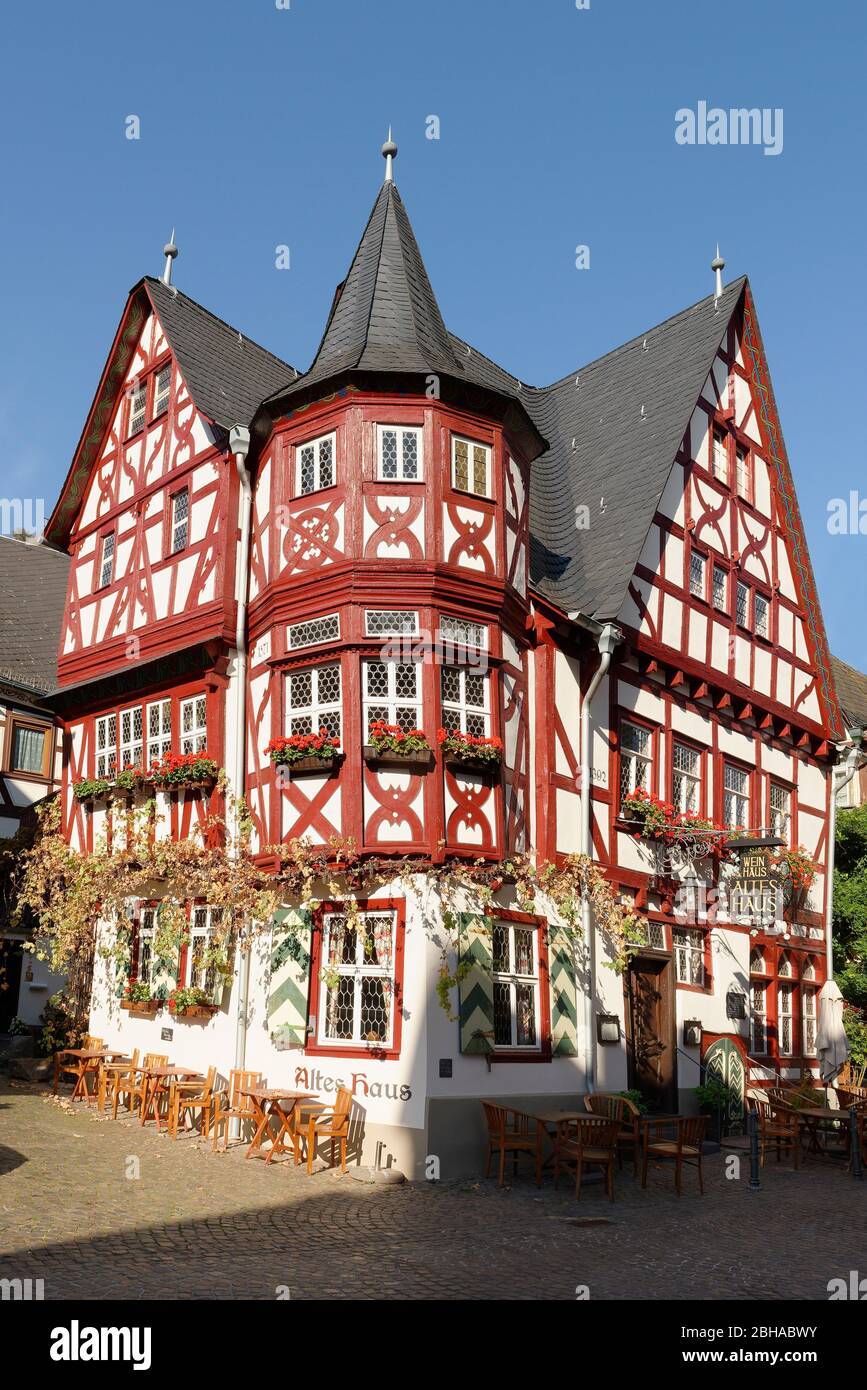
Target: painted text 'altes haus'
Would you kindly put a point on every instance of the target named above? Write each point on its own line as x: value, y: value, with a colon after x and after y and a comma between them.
x: 608, y: 576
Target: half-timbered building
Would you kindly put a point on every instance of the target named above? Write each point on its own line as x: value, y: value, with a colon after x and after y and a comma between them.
x: 608, y: 574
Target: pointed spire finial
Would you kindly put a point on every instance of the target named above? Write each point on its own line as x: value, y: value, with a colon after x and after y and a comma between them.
x: 169, y: 251
x: 717, y: 265
x: 389, y: 151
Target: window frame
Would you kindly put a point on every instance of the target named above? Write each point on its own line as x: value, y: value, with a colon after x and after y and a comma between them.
x: 627, y: 718
x: 468, y: 491
x: 744, y: 493
x: 759, y: 986
x: 317, y: 710
x: 774, y: 784
x: 725, y: 435
x: 461, y: 706
x: 741, y: 585
x: 724, y: 606
x: 319, y: 1047
x: 698, y: 557
x: 173, y: 523
x: 110, y: 751
x: 156, y: 409
x: 16, y: 722
x: 131, y: 742
x: 760, y: 597
x: 681, y: 741
x: 786, y: 988
x: 149, y: 739
x: 197, y: 730
x: 101, y: 581
x: 400, y: 431
x: 736, y: 766
x: 695, y: 948
x: 190, y: 975
x: 808, y: 1018
x: 315, y: 442
x: 391, y: 700
x: 138, y: 385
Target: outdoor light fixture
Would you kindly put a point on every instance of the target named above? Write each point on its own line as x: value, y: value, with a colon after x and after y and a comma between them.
x: 692, y: 1032
x: 607, y: 1028
x: 736, y: 1004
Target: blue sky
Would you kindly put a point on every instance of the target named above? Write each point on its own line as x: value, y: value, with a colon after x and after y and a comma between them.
x: 262, y: 126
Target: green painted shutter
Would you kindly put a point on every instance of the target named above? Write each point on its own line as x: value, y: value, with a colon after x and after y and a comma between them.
x: 564, y: 993
x: 476, y: 988
x: 290, y: 976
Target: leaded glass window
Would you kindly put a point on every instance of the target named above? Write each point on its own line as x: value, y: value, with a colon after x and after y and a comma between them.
x: 392, y: 692
x: 515, y: 975
x: 686, y: 778
x: 635, y: 746
x: 465, y: 701
x: 313, y: 700
x: 358, y: 984
x: 471, y: 467
x: 194, y: 725
x: 315, y: 463
x: 399, y: 454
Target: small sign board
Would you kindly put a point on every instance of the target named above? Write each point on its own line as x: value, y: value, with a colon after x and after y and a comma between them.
x: 167, y: 1034
x: 753, y: 892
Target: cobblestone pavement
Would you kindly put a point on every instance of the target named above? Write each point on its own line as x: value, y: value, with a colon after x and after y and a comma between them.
x: 198, y: 1225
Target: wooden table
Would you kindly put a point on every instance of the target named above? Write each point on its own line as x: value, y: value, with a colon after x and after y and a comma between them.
x: 84, y: 1056
x: 813, y: 1117
x: 269, y: 1101
x: 548, y: 1120
x: 153, y: 1076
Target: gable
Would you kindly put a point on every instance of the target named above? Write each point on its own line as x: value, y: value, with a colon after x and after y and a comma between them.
x: 724, y: 578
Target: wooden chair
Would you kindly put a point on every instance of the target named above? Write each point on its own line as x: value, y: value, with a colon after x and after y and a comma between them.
x: 587, y: 1143
x: 847, y: 1096
x: 232, y: 1104
x: 77, y: 1069
x: 331, y: 1122
x: 778, y: 1125
x: 134, y: 1085
x: 112, y: 1072
x: 192, y: 1095
x: 512, y: 1136
x: 627, y: 1115
x: 685, y: 1148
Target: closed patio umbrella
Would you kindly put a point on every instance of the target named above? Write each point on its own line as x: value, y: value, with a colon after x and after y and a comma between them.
x: 832, y: 1048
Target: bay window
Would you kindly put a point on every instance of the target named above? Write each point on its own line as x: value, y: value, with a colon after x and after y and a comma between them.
x: 471, y: 466
x: 159, y: 725
x: 357, y: 991
x: 106, y: 745
x: 515, y: 976
x: 131, y: 745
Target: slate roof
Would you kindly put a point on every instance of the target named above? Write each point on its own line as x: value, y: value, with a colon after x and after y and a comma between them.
x: 603, y: 454
x: 33, y: 582
x: 851, y: 692
x: 228, y: 375
x: 385, y: 316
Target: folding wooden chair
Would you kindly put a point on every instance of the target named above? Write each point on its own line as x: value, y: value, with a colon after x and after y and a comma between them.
x: 191, y: 1096
x: 232, y: 1104
x: 135, y: 1084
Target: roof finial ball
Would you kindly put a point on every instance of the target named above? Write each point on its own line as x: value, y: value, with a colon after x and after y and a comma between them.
x: 389, y: 152
x: 169, y: 251
x: 717, y: 265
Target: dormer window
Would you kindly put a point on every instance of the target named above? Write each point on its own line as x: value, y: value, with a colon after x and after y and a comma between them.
x: 398, y: 454
x: 162, y: 389
x: 106, y: 565
x: 471, y: 467
x: 720, y: 454
x: 180, y: 520
x: 315, y: 463
x: 137, y: 406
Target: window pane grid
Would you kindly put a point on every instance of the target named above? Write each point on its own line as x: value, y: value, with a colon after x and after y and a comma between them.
x: 315, y: 464
x: 180, y: 519
x: 686, y: 780
x: 780, y: 811
x: 313, y: 701
x: 392, y: 692
x: 720, y: 455
x: 635, y: 747
x: 465, y: 702
x: 470, y: 467
x: 106, y: 744
x: 162, y: 383
x: 138, y: 402
x: 515, y: 985
x: 194, y: 730
x: 159, y: 725
x: 313, y: 632
x: 358, y: 983
x: 399, y: 454
x: 107, y: 566
x: 696, y: 575
x: 719, y: 588
x: 742, y: 606
x: 688, y: 956
x: 131, y: 742
x: 736, y: 801
x: 390, y: 624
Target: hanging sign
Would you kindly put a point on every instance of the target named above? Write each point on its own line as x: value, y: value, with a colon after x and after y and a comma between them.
x: 754, y: 891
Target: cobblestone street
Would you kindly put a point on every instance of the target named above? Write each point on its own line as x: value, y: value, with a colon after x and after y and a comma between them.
x: 198, y: 1225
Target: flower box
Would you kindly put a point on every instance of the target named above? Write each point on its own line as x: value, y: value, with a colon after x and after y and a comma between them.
x: 312, y: 764
x: 418, y: 757
x: 140, y: 1006
x: 389, y: 743
x: 306, y: 754
x: 194, y: 1012
x: 470, y: 753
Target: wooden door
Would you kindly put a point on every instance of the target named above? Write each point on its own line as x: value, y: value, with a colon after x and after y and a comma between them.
x: 651, y: 1038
